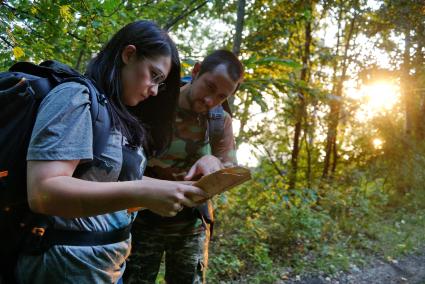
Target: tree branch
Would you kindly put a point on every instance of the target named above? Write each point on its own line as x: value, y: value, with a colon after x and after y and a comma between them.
x: 184, y: 14
x: 18, y: 12
x: 6, y: 41
x: 274, y: 164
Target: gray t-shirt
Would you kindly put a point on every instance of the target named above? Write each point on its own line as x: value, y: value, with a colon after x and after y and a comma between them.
x: 63, y: 131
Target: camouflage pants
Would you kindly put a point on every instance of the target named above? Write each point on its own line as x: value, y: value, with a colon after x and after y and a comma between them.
x: 186, y: 258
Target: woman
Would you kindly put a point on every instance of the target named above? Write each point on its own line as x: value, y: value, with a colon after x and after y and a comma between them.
x: 129, y: 70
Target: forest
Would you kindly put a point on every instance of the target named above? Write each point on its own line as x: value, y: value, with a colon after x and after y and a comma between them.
x: 330, y: 118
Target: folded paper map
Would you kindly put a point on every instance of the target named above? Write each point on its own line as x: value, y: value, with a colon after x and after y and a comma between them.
x: 218, y: 182
x: 223, y: 180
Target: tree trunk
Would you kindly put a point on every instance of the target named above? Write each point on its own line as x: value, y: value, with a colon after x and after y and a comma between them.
x: 331, y: 148
x: 237, y: 41
x: 239, y: 28
x: 420, y: 87
x: 405, y: 84
x: 80, y: 58
x: 329, y: 134
x: 309, y: 159
x: 301, y: 108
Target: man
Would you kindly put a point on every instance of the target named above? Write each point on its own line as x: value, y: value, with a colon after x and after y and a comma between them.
x: 184, y: 238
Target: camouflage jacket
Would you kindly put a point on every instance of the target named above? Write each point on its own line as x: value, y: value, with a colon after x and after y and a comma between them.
x: 190, y: 142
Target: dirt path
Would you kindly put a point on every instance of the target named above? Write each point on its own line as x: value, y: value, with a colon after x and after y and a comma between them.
x: 407, y: 270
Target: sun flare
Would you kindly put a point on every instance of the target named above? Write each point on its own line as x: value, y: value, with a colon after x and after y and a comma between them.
x: 375, y: 98
x: 377, y: 143
x: 380, y: 95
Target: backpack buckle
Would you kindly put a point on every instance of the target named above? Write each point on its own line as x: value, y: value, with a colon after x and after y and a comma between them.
x: 36, y: 242
x: 38, y: 231
x: 214, y: 116
x: 101, y: 98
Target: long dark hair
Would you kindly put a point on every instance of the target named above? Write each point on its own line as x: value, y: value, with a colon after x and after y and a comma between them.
x: 144, y: 124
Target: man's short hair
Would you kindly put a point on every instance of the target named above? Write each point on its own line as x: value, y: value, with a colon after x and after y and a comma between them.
x: 233, y: 66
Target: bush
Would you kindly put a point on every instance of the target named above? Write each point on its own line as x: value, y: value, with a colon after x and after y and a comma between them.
x: 262, y: 225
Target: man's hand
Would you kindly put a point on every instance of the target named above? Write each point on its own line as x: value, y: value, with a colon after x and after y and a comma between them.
x: 204, y: 166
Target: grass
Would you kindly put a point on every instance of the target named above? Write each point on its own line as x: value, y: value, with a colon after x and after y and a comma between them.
x: 400, y: 233
x: 389, y: 234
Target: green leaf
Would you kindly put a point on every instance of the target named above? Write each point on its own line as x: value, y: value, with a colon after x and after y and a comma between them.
x: 281, y: 61
x: 258, y: 98
x: 110, y: 5
x: 95, y: 24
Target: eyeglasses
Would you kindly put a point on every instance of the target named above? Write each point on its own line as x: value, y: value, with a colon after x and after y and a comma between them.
x: 156, y: 75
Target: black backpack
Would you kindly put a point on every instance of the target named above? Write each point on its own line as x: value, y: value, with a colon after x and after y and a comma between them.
x: 21, y: 91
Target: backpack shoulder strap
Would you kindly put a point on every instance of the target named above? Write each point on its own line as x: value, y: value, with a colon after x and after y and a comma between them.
x: 215, y: 124
x: 99, y: 109
x: 101, y: 125
x: 52, y: 73
x: 100, y: 113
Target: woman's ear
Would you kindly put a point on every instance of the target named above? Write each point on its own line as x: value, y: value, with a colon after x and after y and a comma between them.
x: 128, y: 53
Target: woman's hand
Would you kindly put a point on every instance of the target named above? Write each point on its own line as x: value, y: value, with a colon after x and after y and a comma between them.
x: 167, y: 198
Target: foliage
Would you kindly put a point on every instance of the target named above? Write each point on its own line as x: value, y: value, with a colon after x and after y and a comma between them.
x: 72, y: 31
x: 326, y: 228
